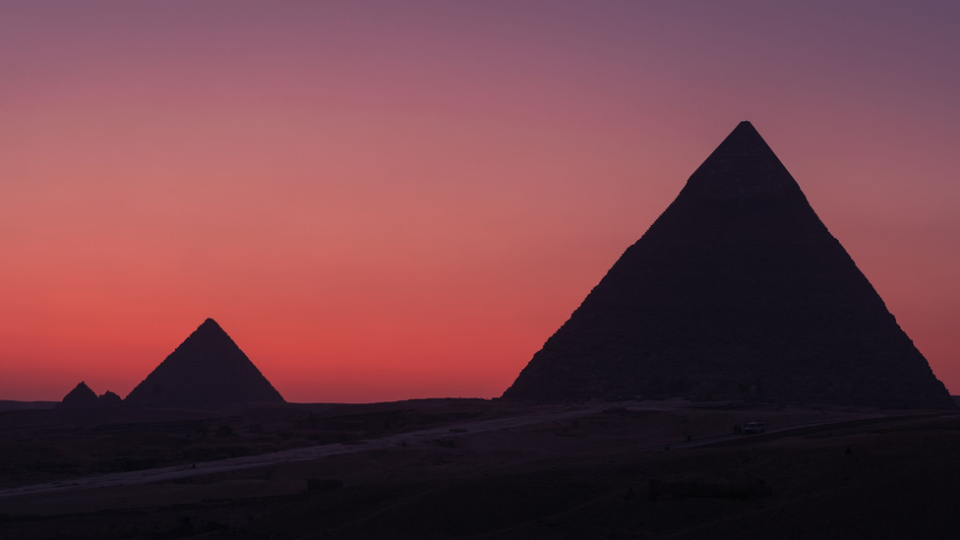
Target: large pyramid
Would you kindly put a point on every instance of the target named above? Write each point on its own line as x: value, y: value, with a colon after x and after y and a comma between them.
x: 738, y: 291
x: 206, y: 368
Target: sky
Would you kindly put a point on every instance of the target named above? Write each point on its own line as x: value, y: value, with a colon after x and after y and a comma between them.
x: 405, y: 199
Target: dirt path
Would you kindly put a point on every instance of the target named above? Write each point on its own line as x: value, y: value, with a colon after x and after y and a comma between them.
x: 452, y: 430
x: 164, y: 474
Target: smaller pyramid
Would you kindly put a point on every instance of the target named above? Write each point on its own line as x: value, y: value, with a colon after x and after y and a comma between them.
x: 81, y: 397
x: 207, y: 368
x: 110, y: 399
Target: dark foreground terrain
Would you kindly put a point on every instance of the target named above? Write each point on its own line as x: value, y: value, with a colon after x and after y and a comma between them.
x: 479, y: 469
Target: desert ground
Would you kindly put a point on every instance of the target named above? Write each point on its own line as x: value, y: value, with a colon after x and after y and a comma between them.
x: 492, y: 469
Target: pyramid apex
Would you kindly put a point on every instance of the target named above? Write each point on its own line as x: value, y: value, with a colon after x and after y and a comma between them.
x: 210, y: 325
x: 743, y: 130
x: 746, y: 127
x: 208, y: 329
x: 742, y: 166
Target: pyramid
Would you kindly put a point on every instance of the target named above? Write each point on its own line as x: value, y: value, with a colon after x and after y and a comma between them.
x: 207, y: 368
x: 737, y: 291
x: 109, y: 399
x: 81, y: 397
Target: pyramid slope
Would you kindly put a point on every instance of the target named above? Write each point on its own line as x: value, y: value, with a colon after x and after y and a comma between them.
x: 207, y: 368
x: 737, y: 291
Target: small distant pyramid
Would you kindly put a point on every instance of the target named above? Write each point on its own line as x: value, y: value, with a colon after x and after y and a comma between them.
x: 206, y: 368
x: 110, y: 399
x: 738, y: 290
x: 81, y: 397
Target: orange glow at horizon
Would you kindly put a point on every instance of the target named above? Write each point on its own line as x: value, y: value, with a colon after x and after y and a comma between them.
x: 383, y: 203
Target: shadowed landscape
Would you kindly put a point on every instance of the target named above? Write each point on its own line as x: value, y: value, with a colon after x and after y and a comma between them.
x: 481, y: 469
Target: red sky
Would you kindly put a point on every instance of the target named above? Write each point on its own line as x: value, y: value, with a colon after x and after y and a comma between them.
x: 389, y: 200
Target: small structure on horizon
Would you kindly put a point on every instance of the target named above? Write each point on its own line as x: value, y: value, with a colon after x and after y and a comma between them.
x: 81, y: 397
x: 110, y: 399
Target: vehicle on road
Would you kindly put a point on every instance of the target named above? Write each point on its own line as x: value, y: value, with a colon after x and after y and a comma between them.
x: 754, y: 428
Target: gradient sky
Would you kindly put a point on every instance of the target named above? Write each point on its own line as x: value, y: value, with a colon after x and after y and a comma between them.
x: 402, y: 199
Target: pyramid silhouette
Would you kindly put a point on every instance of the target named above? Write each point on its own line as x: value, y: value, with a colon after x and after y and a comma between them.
x: 81, y: 397
x: 206, y: 368
x: 737, y: 291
